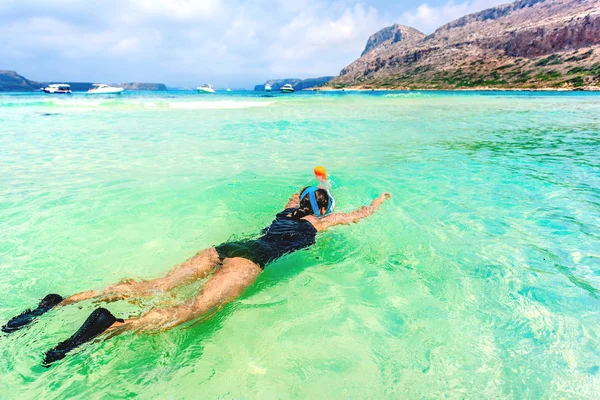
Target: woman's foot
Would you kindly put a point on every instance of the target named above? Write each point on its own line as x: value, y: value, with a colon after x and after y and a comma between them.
x: 28, y: 316
x: 99, y: 321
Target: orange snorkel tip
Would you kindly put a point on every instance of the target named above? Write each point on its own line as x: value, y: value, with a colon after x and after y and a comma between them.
x: 320, y: 173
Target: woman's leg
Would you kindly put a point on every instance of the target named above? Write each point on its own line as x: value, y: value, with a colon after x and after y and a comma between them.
x: 227, y: 283
x: 197, y: 267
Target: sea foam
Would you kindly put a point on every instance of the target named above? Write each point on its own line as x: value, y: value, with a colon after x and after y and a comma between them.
x: 105, y: 104
x: 224, y: 104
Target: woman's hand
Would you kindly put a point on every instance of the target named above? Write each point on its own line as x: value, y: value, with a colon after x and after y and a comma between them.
x: 379, y: 200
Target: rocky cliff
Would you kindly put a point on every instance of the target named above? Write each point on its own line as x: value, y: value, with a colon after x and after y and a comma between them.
x: 391, y: 35
x: 297, y: 84
x: 525, y: 44
x: 10, y: 81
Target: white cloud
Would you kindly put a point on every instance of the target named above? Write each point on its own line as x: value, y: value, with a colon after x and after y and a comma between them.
x: 126, y: 46
x: 179, y: 9
x: 427, y: 18
x: 312, y: 38
x: 353, y: 24
x: 186, y: 42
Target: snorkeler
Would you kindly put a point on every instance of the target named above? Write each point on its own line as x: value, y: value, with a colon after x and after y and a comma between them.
x: 232, y: 267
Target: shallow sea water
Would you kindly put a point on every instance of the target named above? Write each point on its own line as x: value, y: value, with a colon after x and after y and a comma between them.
x: 479, y: 279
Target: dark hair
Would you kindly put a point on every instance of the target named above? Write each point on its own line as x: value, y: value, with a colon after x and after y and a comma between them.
x: 305, y: 208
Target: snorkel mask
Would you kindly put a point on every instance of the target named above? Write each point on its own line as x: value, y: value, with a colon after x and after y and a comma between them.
x: 310, y: 191
x: 324, y: 183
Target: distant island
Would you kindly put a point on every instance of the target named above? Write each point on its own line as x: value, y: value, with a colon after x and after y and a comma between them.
x: 141, y: 86
x: 528, y: 44
x: 297, y: 84
x: 10, y: 81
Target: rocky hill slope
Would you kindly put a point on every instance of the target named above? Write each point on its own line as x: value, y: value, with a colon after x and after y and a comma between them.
x: 276, y: 84
x: 297, y: 84
x: 141, y: 86
x: 525, y: 44
x: 10, y: 81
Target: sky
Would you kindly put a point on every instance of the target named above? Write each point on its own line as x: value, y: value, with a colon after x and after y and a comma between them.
x: 184, y: 43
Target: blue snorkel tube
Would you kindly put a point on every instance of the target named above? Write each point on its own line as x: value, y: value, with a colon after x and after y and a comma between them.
x: 313, y: 200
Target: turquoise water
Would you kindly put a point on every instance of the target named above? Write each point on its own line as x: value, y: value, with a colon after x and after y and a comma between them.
x: 479, y: 279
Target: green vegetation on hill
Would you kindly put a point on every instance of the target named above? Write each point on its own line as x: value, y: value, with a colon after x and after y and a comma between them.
x: 554, y: 71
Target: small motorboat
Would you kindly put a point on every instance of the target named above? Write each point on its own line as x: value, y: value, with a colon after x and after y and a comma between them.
x: 58, y: 88
x: 101, y: 88
x: 206, y: 88
x: 287, y: 88
x: 267, y: 87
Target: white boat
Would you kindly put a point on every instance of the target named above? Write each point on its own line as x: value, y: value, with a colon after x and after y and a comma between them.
x: 101, y: 88
x: 287, y: 88
x: 229, y: 90
x: 206, y: 88
x: 58, y: 88
x: 267, y: 87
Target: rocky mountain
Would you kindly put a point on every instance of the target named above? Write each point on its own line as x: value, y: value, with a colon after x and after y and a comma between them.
x: 141, y: 86
x: 391, y: 35
x: 10, y: 81
x: 276, y: 84
x: 525, y: 44
x: 312, y: 82
x: 297, y: 84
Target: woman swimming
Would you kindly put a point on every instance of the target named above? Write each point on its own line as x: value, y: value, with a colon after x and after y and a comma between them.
x: 232, y: 267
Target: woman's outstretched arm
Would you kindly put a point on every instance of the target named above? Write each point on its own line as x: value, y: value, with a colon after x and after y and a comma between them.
x: 351, y: 217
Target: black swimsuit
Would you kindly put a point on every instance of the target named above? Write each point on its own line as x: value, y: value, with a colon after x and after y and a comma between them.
x: 283, y: 236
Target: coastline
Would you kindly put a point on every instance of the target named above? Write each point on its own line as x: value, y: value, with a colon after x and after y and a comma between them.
x: 471, y: 89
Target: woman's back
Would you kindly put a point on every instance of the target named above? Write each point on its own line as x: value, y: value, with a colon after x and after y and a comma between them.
x: 284, y: 235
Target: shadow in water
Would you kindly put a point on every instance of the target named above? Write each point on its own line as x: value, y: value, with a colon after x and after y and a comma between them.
x: 579, y: 282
